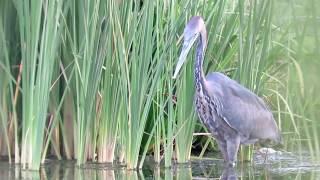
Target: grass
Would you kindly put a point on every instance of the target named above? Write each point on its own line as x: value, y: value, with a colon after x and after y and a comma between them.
x: 94, y: 82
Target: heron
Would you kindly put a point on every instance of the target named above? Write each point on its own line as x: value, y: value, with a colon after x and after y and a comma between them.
x: 233, y: 114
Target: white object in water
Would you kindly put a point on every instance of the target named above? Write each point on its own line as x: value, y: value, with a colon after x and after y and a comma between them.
x: 268, y: 151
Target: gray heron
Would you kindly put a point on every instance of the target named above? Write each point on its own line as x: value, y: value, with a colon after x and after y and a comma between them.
x: 232, y: 113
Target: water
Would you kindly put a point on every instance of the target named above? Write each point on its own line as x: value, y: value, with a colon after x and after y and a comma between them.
x: 275, y: 166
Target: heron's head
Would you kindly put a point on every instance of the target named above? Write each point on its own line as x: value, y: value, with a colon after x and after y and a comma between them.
x: 192, y: 31
x: 274, y: 142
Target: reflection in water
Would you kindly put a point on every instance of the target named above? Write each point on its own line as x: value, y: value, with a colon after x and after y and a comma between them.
x: 162, y: 173
x: 30, y: 175
x: 204, y: 169
x: 184, y: 173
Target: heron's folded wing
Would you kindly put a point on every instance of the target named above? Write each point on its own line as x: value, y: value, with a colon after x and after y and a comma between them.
x: 241, y: 109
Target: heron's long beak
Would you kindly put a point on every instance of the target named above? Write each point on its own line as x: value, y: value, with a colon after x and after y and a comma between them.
x: 184, y: 52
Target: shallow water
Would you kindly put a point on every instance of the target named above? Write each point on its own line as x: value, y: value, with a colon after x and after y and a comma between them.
x: 274, y: 166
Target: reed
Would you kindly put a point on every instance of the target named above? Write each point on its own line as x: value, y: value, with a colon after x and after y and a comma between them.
x: 11, y: 78
x: 5, y: 95
x: 142, y: 75
x: 87, y: 41
x: 39, y: 38
x: 254, y: 47
x: 112, y: 102
x: 298, y: 33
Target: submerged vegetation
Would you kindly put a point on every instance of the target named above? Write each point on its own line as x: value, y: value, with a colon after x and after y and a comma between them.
x: 92, y: 80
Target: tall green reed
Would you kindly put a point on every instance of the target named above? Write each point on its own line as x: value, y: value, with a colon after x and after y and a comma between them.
x: 185, y: 115
x: 5, y: 82
x: 142, y: 73
x: 11, y: 76
x: 5, y: 145
x: 298, y: 36
x: 39, y: 27
x: 142, y: 41
x: 112, y: 100
x: 254, y: 46
x: 87, y: 38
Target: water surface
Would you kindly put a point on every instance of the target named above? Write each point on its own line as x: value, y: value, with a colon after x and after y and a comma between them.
x: 274, y: 166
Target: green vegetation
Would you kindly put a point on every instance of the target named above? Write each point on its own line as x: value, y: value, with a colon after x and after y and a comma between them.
x: 297, y: 38
x: 91, y: 80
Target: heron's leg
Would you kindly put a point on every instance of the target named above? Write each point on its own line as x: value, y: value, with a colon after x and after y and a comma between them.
x: 232, y: 149
x: 229, y: 173
x: 223, y: 149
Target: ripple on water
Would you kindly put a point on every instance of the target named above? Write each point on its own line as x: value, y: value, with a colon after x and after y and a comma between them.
x: 275, y: 165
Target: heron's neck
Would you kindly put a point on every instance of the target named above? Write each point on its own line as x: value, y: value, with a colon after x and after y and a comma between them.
x: 198, y: 70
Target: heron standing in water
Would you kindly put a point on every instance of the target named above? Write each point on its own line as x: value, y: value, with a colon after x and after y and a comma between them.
x: 233, y: 114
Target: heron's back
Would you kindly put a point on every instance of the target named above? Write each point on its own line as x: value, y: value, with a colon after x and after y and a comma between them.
x: 244, y: 111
